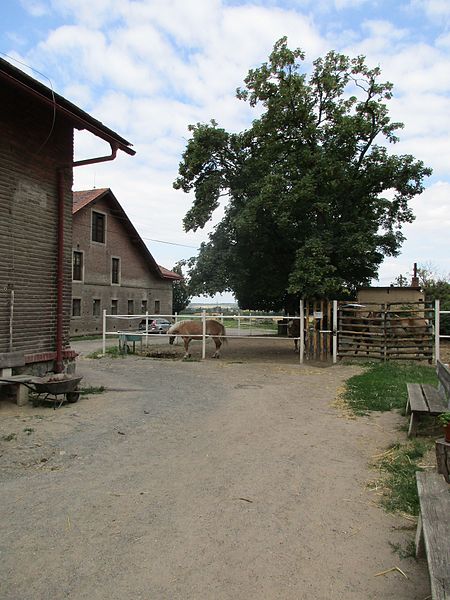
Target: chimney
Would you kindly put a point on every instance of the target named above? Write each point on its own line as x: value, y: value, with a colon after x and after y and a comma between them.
x: 415, y: 279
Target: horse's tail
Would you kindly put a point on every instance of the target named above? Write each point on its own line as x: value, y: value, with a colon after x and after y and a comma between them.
x: 223, y: 333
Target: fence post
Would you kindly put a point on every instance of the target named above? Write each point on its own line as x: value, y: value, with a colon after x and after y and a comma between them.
x: 239, y: 322
x: 204, y: 334
x: 302, y: 332
x: 437, y: 332
x: 146, y: 328
x: 335, y: 331
x: 104, y: 332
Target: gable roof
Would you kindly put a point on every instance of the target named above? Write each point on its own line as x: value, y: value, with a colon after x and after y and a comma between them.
x: 45, y: 95
x: 84, y: 198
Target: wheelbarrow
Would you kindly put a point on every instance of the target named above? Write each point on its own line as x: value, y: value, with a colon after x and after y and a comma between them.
x: 56, y: 388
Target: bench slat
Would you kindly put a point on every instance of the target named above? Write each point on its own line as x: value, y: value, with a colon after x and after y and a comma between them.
x: 434, y: 496
x: 434, y: 399
x: 416, y: 400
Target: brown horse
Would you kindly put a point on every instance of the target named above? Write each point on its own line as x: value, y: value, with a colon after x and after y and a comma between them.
x: 193, y: 330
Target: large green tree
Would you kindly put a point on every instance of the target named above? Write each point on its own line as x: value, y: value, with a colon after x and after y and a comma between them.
x: 181, y: 295
x: 314, y: 199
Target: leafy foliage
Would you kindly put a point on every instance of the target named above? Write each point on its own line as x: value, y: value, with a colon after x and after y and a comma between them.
x: 313, y: 203
x: 436, y: 287
x: 181, y: 293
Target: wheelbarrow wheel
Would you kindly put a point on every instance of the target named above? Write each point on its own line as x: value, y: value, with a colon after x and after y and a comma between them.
x: 72, y: 397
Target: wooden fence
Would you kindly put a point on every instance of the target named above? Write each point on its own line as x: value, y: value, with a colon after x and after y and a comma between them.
x: 395, y: 331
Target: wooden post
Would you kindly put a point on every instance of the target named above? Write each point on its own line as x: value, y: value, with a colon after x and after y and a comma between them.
x: 335, y: 331
x: 204, y: 335
x: 301, y: 341
x: 443, y: 458
x: 437, y: 321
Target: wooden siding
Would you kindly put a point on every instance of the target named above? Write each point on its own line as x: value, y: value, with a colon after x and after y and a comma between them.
x: 32, y: 148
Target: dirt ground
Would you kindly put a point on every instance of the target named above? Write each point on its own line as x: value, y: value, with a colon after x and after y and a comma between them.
x: 224, y: 479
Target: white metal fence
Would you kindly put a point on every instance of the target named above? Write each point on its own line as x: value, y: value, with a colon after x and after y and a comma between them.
x: 246, y: 326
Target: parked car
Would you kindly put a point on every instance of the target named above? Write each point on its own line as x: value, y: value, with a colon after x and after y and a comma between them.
x: 155, y: 325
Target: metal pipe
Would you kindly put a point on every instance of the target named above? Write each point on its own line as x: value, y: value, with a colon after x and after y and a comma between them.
x: 59, y: 366
x: 93, y: 161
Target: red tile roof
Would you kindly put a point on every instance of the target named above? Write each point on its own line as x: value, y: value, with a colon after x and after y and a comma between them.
x: 83, y: 198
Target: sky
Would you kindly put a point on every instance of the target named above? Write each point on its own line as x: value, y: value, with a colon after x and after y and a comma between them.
x: 149, y: 68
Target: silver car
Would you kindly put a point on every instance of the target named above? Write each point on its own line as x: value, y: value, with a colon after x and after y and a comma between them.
x: 157, y: 325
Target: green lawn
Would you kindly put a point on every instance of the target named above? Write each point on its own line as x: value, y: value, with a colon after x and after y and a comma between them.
x: 382, y: 386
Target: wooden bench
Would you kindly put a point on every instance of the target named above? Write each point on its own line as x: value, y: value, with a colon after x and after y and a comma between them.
x: 433, y: 531
x: 424, y: 399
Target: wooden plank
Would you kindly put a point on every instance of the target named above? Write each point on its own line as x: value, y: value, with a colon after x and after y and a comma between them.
x: 416, y: 399
x: 434, y: 496
x: 443, y: 374
x: 443, y: 458
x: 434, y: 399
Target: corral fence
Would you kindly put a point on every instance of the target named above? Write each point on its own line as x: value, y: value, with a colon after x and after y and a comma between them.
x: 330, y: 330
x: 394, y: 331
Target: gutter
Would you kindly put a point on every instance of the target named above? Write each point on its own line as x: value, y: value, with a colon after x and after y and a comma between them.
x: 59, y: 364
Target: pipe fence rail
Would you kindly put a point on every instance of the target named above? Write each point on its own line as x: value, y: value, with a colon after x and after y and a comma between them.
x: 323, y: 329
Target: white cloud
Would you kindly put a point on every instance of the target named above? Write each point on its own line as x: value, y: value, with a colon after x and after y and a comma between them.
x: 147, y: 68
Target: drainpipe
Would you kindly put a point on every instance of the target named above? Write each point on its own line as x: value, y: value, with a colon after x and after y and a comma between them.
x: 59, y: 364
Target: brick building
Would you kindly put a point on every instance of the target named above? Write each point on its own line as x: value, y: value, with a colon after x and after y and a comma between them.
x: 36, y: 172
x: 113, y: 269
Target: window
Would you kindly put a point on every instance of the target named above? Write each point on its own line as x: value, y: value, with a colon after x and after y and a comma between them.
x: 114, y: 304
x: 96, y: 308
x: 77, y: 266
x: 157, y: 307
x: 131, y: 307
x: 76, y: 307
x: 98, y: 227
x: 115, y: 270
x: 144, y: 306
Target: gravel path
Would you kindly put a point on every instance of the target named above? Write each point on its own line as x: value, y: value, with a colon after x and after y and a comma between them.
x: 199, y: 480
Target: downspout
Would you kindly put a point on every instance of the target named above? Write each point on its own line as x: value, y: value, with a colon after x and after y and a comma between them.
x: 59, y: 364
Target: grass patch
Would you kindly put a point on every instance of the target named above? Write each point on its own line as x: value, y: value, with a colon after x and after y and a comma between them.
x: 382, y: 386
x: 398, y: 466
x: 84, y: 391
x: 111, y: 351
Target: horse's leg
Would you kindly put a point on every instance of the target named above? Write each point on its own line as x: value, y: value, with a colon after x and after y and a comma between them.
x: 218, y: 343
x: 295, y: 345
x: 186, y: 341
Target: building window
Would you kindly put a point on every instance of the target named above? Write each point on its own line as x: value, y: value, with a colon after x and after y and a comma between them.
x: 76, y: 307
x: 144, y: 306
x: 157, y: 307
x: 114, y: 304
x: 77, y: 266
x: 98, y: 227
x: 96, y: 308
x: 115, y: 270
x: 131, y: 307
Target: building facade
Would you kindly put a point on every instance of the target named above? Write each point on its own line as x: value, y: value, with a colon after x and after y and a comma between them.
x: 112, y: 268
x: 36, y: 173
